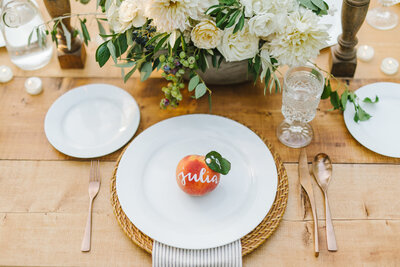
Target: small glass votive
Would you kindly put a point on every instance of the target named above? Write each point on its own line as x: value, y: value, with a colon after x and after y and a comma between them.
x: 33, y: 85
x: 6, y: 74
x: 365, y: 53
x: 302, y: 90
x: 389, y: 66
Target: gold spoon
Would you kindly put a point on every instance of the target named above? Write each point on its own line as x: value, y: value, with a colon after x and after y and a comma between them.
x: 322, y: 169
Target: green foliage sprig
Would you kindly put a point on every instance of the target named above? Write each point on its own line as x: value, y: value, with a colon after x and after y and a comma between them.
x: 41, y: 34
x: 142, y: 49
x: 228, y: 13
x: 254, y: 69
x: 339, y: 102
x: 41, y: 31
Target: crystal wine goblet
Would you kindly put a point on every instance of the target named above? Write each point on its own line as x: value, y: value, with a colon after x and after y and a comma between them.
x: 301, y: 94
x: 382, y: 18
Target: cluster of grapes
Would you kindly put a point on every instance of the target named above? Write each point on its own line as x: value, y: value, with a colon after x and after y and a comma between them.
x: 174, y: 69
x: 142, y: 36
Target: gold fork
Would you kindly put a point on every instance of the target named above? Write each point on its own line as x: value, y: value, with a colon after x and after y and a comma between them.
x: 94, y: 186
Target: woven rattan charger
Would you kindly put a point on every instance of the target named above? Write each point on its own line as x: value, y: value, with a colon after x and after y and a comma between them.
x: 249, y: 242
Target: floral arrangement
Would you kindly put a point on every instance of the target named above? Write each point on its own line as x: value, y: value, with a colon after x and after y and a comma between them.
x: 183, y: 37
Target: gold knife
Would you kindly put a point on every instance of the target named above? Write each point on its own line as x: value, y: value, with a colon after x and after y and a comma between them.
x: 305, y: 181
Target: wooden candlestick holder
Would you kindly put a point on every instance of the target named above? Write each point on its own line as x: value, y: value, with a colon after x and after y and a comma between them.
x: 73, y: 58
x: 344, y: 55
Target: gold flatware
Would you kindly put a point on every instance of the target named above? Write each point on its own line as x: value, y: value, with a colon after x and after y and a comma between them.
x: 322, y: 169
x: 94, y: 186
x: 305, y: 181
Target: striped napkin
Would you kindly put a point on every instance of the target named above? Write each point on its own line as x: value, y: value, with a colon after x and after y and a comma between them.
x: 229, y: 255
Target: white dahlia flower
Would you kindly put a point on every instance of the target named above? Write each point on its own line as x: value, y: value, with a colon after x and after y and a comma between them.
x: 300, y: 39
x: 170, y: 15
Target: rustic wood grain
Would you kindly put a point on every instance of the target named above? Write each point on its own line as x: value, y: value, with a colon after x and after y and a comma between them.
x: 357, y: 191
x: 54, y: 240
x: 360, y: 243
x: 23, y: 117
x: 43, y: 213
x: 43, y: 193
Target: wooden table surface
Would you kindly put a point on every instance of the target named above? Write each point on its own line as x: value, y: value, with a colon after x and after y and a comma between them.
x: 43, y: 193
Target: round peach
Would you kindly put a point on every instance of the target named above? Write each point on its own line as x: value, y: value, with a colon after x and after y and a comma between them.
x: 195, y: 177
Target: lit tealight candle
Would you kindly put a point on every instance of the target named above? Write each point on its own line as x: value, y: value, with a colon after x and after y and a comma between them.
x: 33, y: 85
x: 6, y: 74
x: 389, y: 66
x: 365, y: 53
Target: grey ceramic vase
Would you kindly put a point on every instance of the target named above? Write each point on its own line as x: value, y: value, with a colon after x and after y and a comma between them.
x: 227, y: 73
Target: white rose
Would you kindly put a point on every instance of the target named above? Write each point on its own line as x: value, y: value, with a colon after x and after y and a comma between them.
x: 112, y: 14
x: 206, y: 34
x: 252, y: 7
x: 265, y: 24
x: 131, y: 14
x: 262, y: 25
x: 239, y: 46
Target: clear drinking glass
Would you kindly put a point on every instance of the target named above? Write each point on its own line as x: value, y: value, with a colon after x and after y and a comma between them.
x: 382, y: 18
x: 301, y: 94
x: 18, y: 19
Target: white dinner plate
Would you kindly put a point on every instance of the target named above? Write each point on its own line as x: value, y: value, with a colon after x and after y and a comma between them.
x: 2, y: 42
x: 92, y: 120
x: 381, y: 132
x: 334, y: 19
x: 150, y: 197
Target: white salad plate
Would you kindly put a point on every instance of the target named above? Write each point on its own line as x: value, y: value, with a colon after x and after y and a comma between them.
x: 381, y: 133
x: 334, y: 20
x: 92, y: 120
x: 2, y: 42
x: 151, y: 198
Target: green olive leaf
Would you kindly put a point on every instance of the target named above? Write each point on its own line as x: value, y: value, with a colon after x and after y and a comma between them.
x: 111, y: 48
